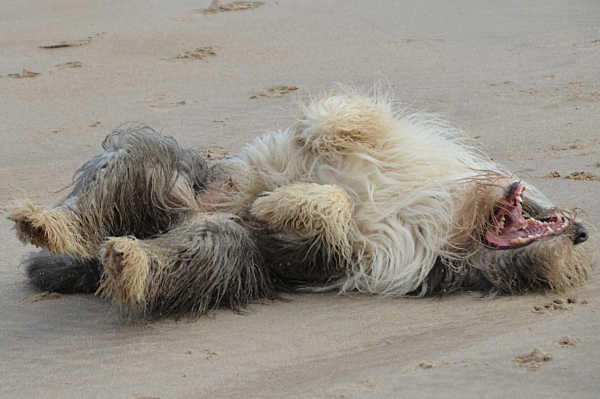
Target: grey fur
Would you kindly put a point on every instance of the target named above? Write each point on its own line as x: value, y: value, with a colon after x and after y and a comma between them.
x: 62, y: 273
x: 295, y: 262
x: 210, y: 262
x: 129, y: 188
x: 144, y: 185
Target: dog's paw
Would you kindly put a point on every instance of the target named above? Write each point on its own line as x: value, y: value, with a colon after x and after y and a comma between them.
x: 307, y: 208
x: 126, y: 267
x: 29, y: 223
x: 52, y: 229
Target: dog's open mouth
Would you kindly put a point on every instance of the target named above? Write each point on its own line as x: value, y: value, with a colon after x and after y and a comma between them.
x: 511, y: 228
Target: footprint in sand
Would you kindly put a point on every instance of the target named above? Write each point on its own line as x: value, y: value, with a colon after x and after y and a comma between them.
x: 215, y: 6
x: 558, y: 304
x: 532, y: 360
x: 503, y: 83
x: 24, y: 74
x: 275, y: 91
x: 161, y: 102
x: 579, y: 175
x: 430, y: 365
x: 73, y: 43
x: 583, y: 176
x: 69, y: 65
x: 567, y: 342
x: 571, y: 146
x: 199, y: 53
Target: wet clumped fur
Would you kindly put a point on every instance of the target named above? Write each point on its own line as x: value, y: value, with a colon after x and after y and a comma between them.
x: 357, y: 195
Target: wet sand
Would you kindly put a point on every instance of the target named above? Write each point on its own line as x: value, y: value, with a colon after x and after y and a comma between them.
x: 522, y: 79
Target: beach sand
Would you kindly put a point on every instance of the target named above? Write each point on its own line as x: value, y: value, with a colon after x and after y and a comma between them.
x: 519, y: 77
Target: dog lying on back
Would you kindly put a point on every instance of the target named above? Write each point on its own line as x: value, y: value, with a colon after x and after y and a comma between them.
x: 354, y: 197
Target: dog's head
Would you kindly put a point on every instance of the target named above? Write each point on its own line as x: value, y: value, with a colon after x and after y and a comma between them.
x: 520, y: 220
x: 527, y: 243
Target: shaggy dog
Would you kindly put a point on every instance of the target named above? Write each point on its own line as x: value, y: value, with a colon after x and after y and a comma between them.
x: 355, y: 196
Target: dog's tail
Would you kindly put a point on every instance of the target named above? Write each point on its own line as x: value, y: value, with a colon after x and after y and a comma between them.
x: 61, y: 273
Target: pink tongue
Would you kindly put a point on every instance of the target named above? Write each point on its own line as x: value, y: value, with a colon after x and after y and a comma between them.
x: 512, y: 229
x: 514, y: 222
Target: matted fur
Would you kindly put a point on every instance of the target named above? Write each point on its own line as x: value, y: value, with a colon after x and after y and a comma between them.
x: 142, y: 184
x: 209, y: 261
x: 357, y: 195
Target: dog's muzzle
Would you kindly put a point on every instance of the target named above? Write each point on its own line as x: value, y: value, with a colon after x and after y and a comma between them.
x: 580, y: 234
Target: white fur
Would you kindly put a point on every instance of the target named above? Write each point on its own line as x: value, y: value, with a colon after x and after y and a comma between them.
x: 402, y: 171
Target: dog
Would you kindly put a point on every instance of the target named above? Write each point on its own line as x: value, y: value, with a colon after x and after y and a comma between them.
x: 355, y: 196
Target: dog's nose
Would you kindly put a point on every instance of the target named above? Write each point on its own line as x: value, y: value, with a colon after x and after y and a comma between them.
x: 580, y: 235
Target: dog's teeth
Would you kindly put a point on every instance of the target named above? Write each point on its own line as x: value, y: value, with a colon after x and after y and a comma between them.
x: 521, y: 240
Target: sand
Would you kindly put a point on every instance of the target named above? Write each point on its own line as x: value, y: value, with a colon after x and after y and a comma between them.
x: 520, y: 77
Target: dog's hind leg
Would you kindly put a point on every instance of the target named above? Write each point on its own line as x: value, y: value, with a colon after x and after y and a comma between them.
x: 211, y: 261
x: 142, y: 183
x: 315, y: 212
